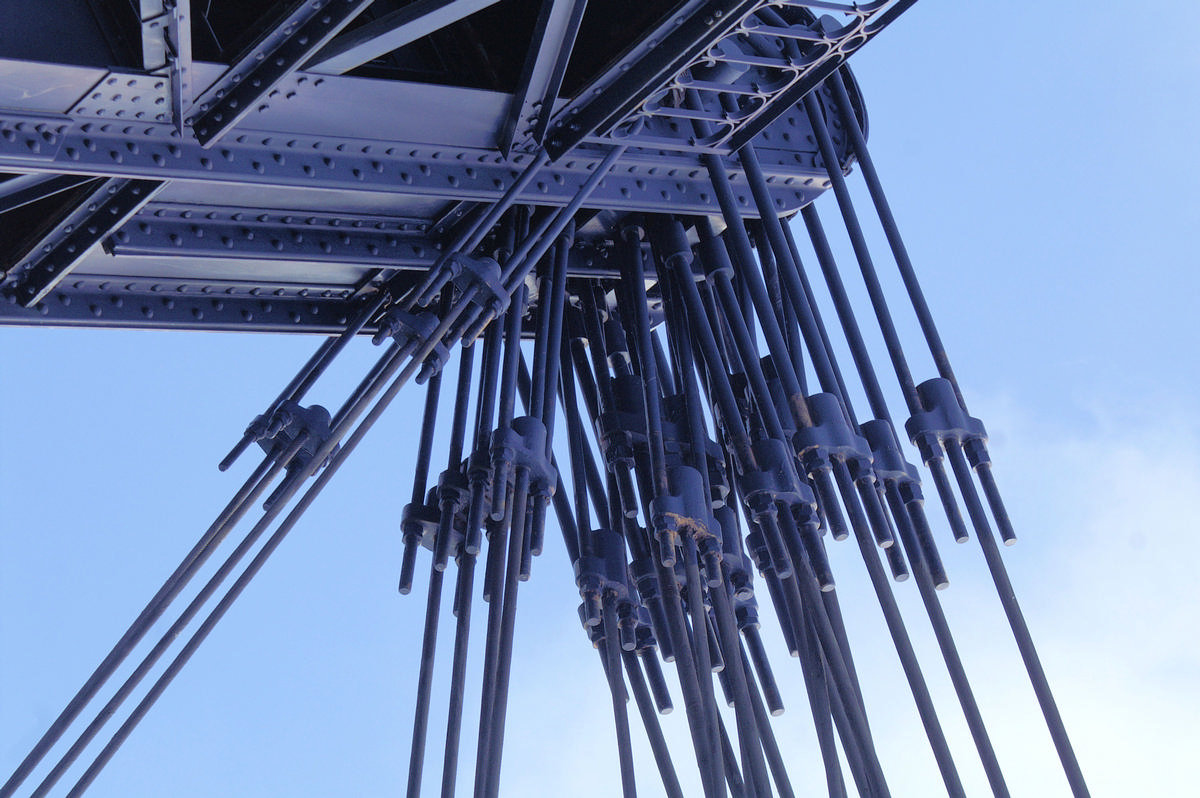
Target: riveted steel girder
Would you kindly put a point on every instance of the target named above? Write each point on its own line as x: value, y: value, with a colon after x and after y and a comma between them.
x: 167, y: 231
x: 52, y: 254
x: 643, y: 180
x: 154, y: 303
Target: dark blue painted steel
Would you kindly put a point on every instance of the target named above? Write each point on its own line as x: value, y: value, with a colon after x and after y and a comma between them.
x: 369, y: 182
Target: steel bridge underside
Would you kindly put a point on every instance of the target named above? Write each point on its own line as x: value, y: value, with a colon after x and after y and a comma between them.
x: 161, y: 172
x: 609, y: 179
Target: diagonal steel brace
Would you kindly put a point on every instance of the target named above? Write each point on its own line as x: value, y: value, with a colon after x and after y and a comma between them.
x: 46, y: 259
x: 278, y: 53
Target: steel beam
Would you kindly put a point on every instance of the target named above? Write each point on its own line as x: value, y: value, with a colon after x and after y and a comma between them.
x: 340, y: 133
x: 642, y: 181
x: 391, y: 32
x: 51, y: 255
x: 181, y: 233
x: 179, y: 58
x: 278, y: 53
x: 24, y: 189
x: 155, y: 304
x: 542, y: 76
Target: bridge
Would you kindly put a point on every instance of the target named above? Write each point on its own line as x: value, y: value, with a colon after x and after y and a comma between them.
x: 587, y: 239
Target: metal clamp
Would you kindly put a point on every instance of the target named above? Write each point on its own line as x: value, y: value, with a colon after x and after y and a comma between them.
x: 408, y: 328
x: 830, y: 436
x: 419, y: 523
x: 523, y: 445
x: 944, y: 419
x: 605, y: 572
x: 482, y: 272
x: 289, y: 421
x: 683, y: 508
x: 776, y: 481
x: 888, y: 461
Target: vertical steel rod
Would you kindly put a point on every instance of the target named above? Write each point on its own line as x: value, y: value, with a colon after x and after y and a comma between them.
x: 616, y: 684
x: 458, y: 425
x: 658, y: 744
x: 859, y: 243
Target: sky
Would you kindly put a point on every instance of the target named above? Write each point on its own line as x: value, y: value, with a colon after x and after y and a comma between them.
x: 1041, y: 160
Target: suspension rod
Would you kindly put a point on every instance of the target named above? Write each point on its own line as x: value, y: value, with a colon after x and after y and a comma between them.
x: 134, y: 679
x: 247, y: 495
x: 1016, y: 621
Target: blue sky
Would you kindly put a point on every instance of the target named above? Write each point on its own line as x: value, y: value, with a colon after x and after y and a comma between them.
x: 1042, y: 162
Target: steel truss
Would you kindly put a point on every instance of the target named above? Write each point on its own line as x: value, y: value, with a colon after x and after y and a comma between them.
x: 618, y: 196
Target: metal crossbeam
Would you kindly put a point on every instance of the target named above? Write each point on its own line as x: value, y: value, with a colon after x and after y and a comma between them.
x: 390, y: 32
x: 253, y: 233
x: 216, y: 305
x: 303, y: 155
x: 445, y: 173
